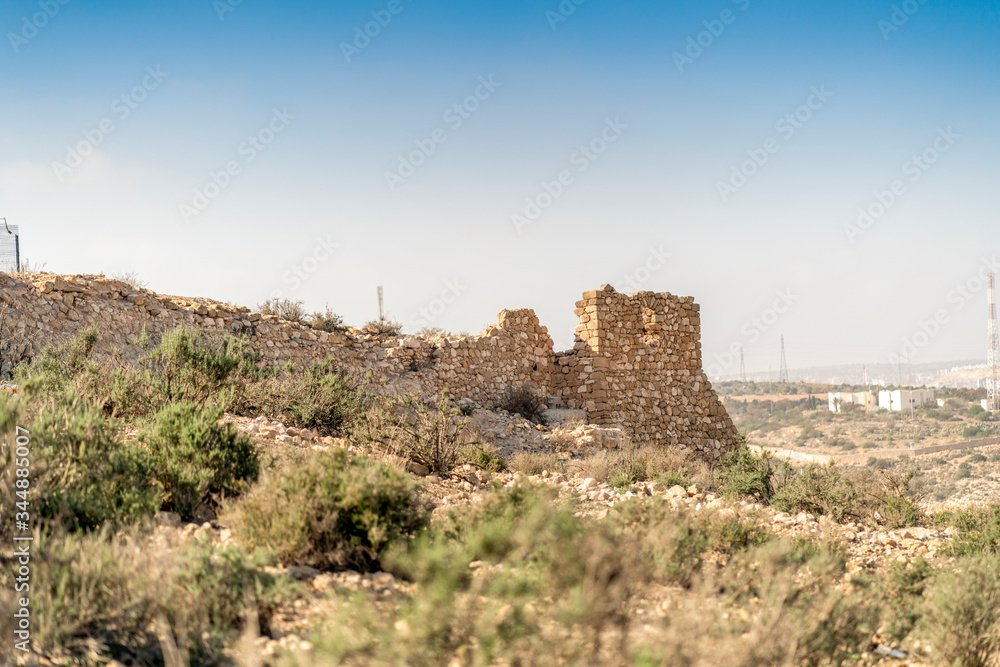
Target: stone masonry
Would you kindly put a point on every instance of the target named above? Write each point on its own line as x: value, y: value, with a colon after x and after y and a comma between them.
x: 636, y: 362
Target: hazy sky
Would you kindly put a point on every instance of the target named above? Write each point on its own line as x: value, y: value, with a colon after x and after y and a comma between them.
x: 472, y: 156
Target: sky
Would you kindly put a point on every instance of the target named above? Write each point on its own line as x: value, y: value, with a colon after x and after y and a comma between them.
x: 819, y: 171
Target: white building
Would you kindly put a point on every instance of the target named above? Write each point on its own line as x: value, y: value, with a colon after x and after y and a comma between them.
x: 904, y: 399
x: 861, y: 399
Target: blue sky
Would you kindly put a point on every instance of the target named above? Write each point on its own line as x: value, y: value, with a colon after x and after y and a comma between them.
x: 308, y: 212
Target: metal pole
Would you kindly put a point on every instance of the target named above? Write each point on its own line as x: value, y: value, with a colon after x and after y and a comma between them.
x: 17, y: 252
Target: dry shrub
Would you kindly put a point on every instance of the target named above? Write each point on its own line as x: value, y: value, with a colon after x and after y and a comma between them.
x: 535, y: 463
x: 523, y: 400
x: 665, y: 465
x: 382, y: 328
x: 286, y: 309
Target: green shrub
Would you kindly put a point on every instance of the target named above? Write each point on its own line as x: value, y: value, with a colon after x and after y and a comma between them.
x: 674, y: 542
x: 189, y: 367
x: 963, y: 615
x: 875, y: 498
x: 323, y: 398
x: 978, y: 530
x: 743, y: 473
x: 964, y: 470
x: 977, y: 458
x: 973, y: 431
x: 485, y: 459
x: 98, y: 596
x: 330, y: 510
x: 55, y: 367
x: 405, y: 426
x: 195, y: 460
x: 82, y: 476
x: 504, y: 581
x: 327, y: 321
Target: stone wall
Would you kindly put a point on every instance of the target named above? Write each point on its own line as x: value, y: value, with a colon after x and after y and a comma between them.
x: 636, y: 362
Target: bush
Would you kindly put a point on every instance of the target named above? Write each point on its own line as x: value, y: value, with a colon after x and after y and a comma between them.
x: 108, y: 596
x: 382, y: 328
x: 286, y: 309
x: 875, y: 498
x: 485, y: 459
x: 674, y: 542
x: 744, y: 473
x: 406, y: 427
x: 186, y: 366
x: 503, y: 582
x: 330, y: 511
x: 963, y: 616
x: 323, y: 398
x: 195, y: 460
x: 978, y: 530
x: 327, y: 321
x: 532, y: 463
x: 522, y: 400
x: 82, y: 476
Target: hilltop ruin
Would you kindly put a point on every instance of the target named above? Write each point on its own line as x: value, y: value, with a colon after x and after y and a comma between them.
x: 636, y: 362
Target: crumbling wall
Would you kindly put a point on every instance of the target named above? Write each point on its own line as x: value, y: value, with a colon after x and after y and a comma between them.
x: 636, y: 362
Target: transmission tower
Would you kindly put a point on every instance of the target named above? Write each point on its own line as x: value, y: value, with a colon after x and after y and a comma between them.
x: 993, y: 349
x: 743, y: 368
x: 783, y: 369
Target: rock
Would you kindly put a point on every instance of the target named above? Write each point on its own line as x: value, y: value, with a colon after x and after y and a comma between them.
x: 167, y: 519
x: 588, y: 483
x: 417, y: 468
x: 302, y: 572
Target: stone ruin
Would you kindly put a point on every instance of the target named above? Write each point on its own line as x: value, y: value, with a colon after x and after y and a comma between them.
x: 636, y: 363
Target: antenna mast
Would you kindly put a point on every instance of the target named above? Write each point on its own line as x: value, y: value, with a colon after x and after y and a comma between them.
x: 993, y: 349
x: 743, y: 368
x: 381, y: 312
x: 783, y: 370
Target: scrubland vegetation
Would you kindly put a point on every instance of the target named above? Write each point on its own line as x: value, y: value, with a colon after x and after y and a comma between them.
x: 521, y: 575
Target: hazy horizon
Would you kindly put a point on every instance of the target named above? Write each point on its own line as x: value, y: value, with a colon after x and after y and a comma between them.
x: 813, y: 171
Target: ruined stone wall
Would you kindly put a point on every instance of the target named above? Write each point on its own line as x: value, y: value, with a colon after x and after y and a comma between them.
x: 636, y: 362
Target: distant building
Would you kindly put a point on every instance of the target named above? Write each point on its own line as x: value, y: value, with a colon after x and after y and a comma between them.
x: 864, y: 400
x: 904, y: 399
